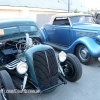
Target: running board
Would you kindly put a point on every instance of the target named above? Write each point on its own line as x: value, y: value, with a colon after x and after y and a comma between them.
x: 58, y: 47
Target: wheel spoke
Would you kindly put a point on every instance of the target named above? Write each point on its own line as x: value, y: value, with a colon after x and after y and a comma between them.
x: 68, y: 70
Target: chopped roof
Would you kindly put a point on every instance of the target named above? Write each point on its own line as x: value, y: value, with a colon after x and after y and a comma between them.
x: 15, y: 22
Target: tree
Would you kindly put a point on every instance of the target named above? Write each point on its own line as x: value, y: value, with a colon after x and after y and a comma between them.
x: 76, y: 11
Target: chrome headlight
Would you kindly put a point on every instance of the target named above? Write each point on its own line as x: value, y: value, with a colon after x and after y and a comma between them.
x: 22, y: 68
x: 62, y: 56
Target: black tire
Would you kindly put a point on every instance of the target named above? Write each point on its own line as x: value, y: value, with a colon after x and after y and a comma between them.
x: 84, y: 56
x: 73, y: 70
x: 7, y: 84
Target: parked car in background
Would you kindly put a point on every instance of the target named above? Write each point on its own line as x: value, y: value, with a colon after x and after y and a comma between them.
x: 74, y: 33
x: 97, y: 18
x: 27, y: 66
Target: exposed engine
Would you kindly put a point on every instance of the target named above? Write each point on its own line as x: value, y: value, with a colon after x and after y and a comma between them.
x: 12, y: 49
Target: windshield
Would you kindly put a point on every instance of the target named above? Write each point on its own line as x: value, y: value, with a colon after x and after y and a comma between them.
x: 81, y: 19
x: 28, y: 28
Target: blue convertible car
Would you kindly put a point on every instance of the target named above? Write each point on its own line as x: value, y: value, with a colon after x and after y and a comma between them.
x: 74, y: 33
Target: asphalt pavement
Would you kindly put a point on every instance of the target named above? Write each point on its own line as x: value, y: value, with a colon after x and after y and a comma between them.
x: 87, y: 88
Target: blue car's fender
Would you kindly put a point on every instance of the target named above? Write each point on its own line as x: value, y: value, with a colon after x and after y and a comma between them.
x: 90, y: 43
x: 43, y: 35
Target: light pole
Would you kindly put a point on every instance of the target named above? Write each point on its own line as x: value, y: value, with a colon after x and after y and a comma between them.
x: 68, y: 6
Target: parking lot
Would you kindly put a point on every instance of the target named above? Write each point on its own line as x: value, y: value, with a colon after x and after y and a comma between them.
x: 87, y: 88
x: 68, y: 25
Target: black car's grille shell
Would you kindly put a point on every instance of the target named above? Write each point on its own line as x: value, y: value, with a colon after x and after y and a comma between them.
x: 46, y: 68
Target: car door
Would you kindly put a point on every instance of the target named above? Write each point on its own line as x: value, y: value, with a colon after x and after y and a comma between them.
x: 62, y: 35
x: 62, y: 32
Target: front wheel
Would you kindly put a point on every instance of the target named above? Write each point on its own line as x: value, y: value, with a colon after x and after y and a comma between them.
x: 72, y: 68
x: 6, y: 84
x: 84, y: 56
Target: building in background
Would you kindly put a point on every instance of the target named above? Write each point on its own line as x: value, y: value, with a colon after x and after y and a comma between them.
x: 31, y: 8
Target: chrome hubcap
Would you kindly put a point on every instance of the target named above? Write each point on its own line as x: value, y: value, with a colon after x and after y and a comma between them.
x: 84, y: 54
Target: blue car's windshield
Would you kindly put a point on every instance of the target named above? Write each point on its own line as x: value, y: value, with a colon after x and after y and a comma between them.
x: 81, y: 19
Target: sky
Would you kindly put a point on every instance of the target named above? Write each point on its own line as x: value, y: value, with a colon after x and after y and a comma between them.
x: 94, y: 4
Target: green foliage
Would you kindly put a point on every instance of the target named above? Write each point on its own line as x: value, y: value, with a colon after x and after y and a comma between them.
x: 90, y: 13
x: 76, y: 11
x: 85, y: 12
x: 72, y: 11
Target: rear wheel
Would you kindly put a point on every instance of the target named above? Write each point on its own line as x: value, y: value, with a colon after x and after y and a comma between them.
x: 72, y: 68
x: 84, y: 56
x: 6, y: 84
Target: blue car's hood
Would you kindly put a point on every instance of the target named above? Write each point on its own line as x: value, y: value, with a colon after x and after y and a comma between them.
x: 85, y: 26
